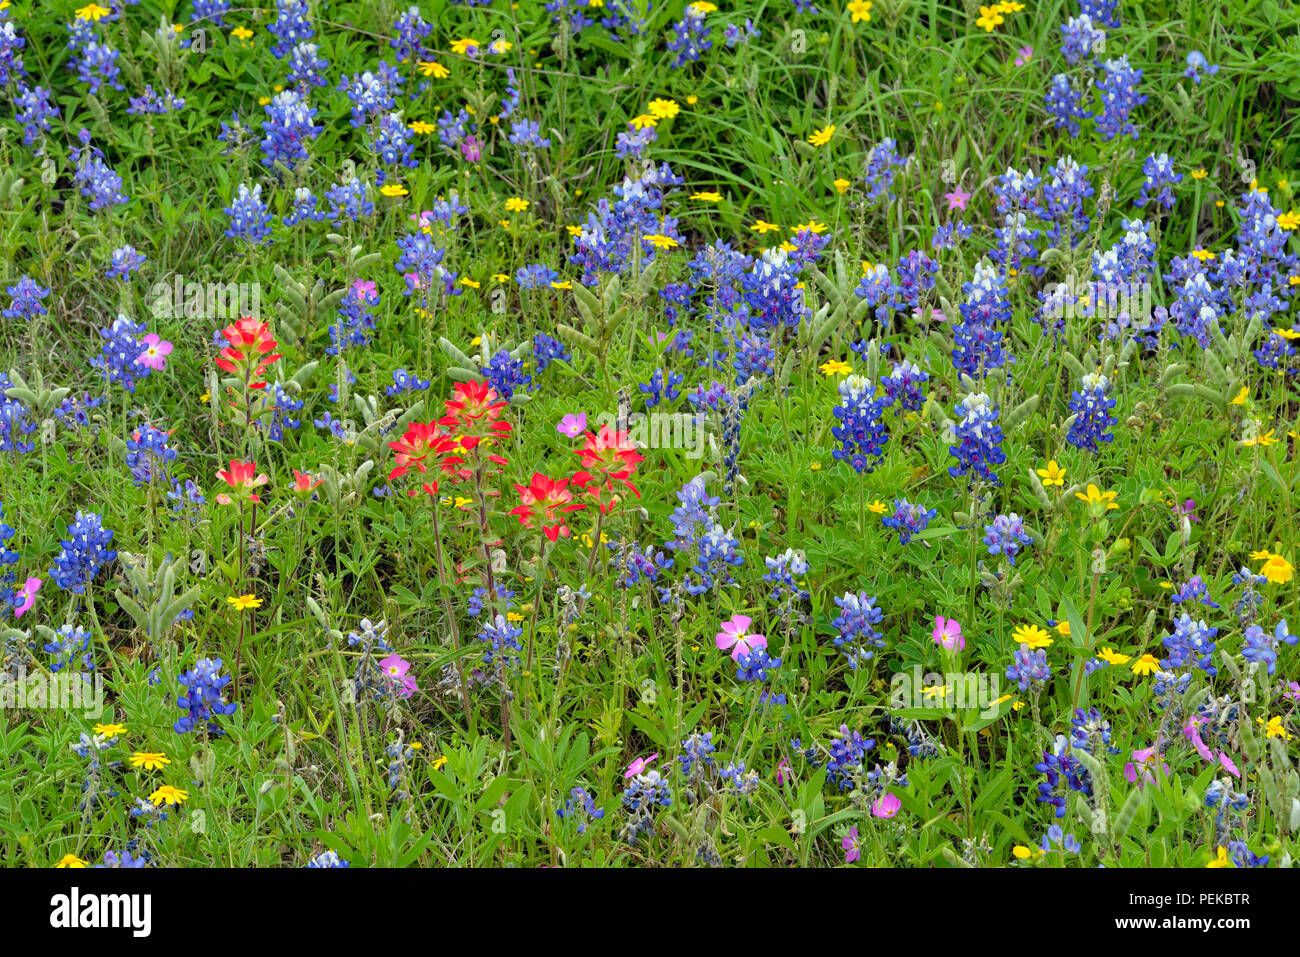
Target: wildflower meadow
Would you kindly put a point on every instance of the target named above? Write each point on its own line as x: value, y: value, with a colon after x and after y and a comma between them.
x: 626, y: 433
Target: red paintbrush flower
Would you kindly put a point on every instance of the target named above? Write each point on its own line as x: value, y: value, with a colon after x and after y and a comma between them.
x: 549, y: 497
x: 610, y: 456
x: 247, y: 355
x: 243, y: 478
x: 474, y: 416
x: 425, y: 445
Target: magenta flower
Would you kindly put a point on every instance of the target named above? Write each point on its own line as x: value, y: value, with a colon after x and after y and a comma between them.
x: 947, y: 634
x: 424, y: 220
x: 887, y: 805
x: 156, y: 352
x: 780, y: 771
x: 26, y: 596
x: 735, y: 635
x: 395, y: 668
x: 957, y: 198
x: 1024, y: 54
x: 852, y: 849
x: 365, y: 288
x: 1143, y: 759
x: 638, y: 765
x: 1228, y: 764
x: 1292, y: 691
x: 573, y: 425
x: 1193, y: 735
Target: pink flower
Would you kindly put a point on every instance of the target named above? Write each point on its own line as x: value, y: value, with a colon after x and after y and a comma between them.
x: 780, y: 771
x: 573, y: 425
x: 852, y: 849
x: 1024, y: 54
x: 27, y: 594
x: 156, y: 352
x: 364, y: 288
x: 1228, y: 764
x: 957, y: 198
x: 424, y: 220
x: 395, y: 668
x: 887, y: 805
x: 734, y: 635
x: 1143, y: 758
x: 1194, y: 736
x: 638, y: 765
x: 947, y: 634
x: 1292, y: 691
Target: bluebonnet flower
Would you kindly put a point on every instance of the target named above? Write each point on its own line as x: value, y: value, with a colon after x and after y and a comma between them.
x: 372, y: 94
x: 1090, y: 732
x: 632, y: 143
x: 502, y: 641
x: 32, y: 108
x: 527, y: 134
x: 1119, y: 97
x: 11, y: 41
x: 249, y: 215
x: 405, y: 382
x: 16, y: 420
x: 1079, y: 38
x: 392, y: 143
x: 636, y: 565
x: 123, y: 344
x: 1006, y: 536
x: 151, y: 102
x: 306, y: 208
x: 1091, y: 407
x: 908, y: 519
x: 979, y: 439
x: 978, y: 337
x: 1056, y: 840
x: 1240, y: 851
x: 8, y: 558
x: 1064, y: 773
x: 356, y: 322
x: 306, y: 67
x: 843, y: 759
x: 734, y: 34
x: 1194, y: 589
x: 211, y: 10
x: 506, y: 374
x: 546, y: 350
x: 658, y: 389
x: 1190, y: 644
x: 646, y: 792
x: 1248, y: 605
x: 97, y: 181
x: 1158, y: 178
x: 1065, y: 189
x: 690, y: 37
x: 350, y: 200
x: 1261, y: 647
x: 287, y: 129
x: 856, y: 637
x: 327, y: 859
x: 94, y: 62
x: 903, y: 386
x: 71, y: 650
x: 1065, y: 104
x: 26, y: 300
x: 1197, y: 64
x: 1104, y: 12
x: 147, y: 455
x: 536, y: 276
x: 112, y: 859
x: 782, y: 573
x: 292, y: 25
x: 202, y: 699
x: 1029, y: 668
x: 756, y: 665
x: 412, y: 30
x: 420, y: 263
x: 882, y: 164
x: 580, y: 807
x: 861, y: 431
x: 84, y: 552
x: 125, y: 260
